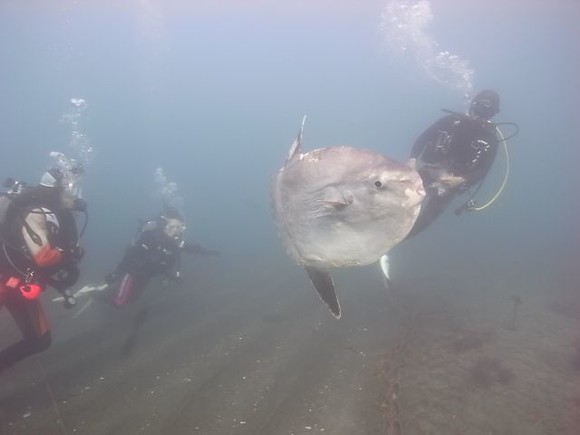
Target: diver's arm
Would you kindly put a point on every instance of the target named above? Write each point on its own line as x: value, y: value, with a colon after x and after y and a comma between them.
x: 35, y: 234
x: 431, y: 136
x: 195, y: 248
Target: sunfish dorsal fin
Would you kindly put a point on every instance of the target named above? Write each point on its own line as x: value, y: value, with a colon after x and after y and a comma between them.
x: 296, y: 146
x: 323, y: 284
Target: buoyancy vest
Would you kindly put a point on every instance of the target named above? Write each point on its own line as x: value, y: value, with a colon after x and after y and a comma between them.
x: 460, y: 145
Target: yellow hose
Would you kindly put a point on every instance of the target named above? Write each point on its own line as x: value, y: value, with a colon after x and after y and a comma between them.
x: 505, y: 178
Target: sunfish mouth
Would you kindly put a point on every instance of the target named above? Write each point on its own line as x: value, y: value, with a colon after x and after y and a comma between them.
x: 415, y: 196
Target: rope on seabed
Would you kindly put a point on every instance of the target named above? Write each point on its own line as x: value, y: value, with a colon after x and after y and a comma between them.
x: 52, y: 399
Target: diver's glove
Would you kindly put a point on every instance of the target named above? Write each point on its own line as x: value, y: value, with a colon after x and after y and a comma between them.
x: 451, y: 181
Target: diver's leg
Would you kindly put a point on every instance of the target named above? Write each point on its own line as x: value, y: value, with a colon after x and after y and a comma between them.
x: 130, y: 262
x: 33, y: 324
x: 131, y: 287
x: 124, y: 292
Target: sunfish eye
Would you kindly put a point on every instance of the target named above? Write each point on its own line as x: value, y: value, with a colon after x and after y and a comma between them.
x: 378, y: 184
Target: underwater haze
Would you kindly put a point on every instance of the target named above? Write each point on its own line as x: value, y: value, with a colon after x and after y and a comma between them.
x: 479, y: 332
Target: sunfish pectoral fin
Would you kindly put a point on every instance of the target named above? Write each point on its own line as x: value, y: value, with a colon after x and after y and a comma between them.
x: 337, y: 205
x: 324, y: 286
x: 296, y: 146
x: 337, y: 199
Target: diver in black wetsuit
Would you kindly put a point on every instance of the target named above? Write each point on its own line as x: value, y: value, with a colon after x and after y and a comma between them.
x: 156, y: 251
x: 452, y: 156
x: 455, y: 154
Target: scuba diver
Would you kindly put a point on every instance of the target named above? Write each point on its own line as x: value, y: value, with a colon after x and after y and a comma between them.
x: 156, y: 250
x: 454, y: 155
x: 40, y: 248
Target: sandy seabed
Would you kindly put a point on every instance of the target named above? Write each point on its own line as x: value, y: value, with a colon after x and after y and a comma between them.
x: 254, y: 351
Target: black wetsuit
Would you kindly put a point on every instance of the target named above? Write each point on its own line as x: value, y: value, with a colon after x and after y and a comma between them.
x: 153, y: 253
x: 458, y: 145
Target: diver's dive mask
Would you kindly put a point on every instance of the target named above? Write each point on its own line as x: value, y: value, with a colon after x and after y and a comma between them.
x: 173, y: 227
x: 484, y: 108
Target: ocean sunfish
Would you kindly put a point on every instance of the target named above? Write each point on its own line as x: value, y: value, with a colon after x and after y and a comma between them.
x: 342, y: 206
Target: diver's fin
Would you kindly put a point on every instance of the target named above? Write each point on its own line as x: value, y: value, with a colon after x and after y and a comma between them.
x: 89, y: 288
x: 385, y: 268
x: 323, y: 284
x: 82, y: 309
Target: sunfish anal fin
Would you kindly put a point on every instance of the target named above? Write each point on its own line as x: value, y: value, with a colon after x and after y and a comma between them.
x: 324, y: 286
x: 384, y: 263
